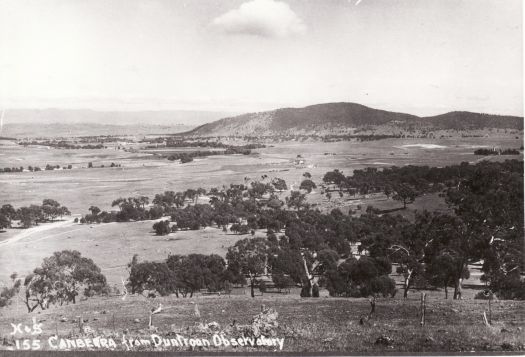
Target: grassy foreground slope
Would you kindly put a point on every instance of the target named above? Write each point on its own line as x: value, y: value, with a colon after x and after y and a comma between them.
x: 323, y: 324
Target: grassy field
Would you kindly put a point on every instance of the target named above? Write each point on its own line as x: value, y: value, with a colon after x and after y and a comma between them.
x: 110, y: 245
x: 143, y: 174
x: 21, y: 250
x: 80, y: 188
x: 323, y: 324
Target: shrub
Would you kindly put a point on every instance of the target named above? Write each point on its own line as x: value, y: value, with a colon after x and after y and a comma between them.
x: 305, y: 291
x: 509, y: 288
x: 482, y: 295
x: 282, y: 281
x: 315, y: 291
x: 262, y: 286
x: 162, y: 228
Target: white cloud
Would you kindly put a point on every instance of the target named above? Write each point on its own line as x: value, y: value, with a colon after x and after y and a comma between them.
x: 265, y: 18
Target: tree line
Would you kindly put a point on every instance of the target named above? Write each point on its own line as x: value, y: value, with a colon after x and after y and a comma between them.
x: 186, y: 157
x: 29, y: 216
x: 62, y: 144
x: 494, y: 151
x: 49, y: 167
x: 434, y: 250
x: 310, y: 249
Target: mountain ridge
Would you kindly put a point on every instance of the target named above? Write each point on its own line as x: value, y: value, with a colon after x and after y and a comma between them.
x: 344, y: 116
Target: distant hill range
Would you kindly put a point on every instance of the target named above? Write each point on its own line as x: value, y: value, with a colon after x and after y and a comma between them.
x: 147, y: 117
x: 342, y: 117
x: 54, y: 122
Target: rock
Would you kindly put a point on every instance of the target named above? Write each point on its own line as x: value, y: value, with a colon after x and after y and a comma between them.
x: 429, y: 340
x: 136, y: 321
x: 265, y: 323
x: 86, y: 320
x: 519, y: 328
x: 214, y: 326
x: 384, y: 340
x: 503, y: 330
x: 328, y: 340
x: 103, y: 312
x: 63, y: 319
x: 174, y: 329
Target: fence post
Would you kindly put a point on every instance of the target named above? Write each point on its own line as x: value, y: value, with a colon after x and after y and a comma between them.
x: 81, y: 324
x: 423, y: 308
x: 490, y: 309
x: 196, y: 311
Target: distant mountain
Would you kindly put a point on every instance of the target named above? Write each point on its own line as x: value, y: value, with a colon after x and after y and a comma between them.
x: 468, y: 120
x: 30, y: 130
x: 73, y: 116
x: 340, y: 117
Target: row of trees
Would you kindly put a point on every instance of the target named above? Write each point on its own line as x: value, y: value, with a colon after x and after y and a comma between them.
x: 435, y: 249
x: 29, y: 216
x: 30, y: 168
x: 181, y: 143
x: 62, y: 144
x: 494, y: 151
x: 186, y: 157
x: 487, y: 227
x: 251, y: 260
x: 225, y: 206
x: 404, y: 184
x: 48, y: 167
x: 182, y: 275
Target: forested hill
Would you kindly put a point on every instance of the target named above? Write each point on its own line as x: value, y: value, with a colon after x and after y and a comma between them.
x: 336, y: 117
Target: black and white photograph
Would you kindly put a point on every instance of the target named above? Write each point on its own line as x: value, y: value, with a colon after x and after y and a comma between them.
x: 236, y: 177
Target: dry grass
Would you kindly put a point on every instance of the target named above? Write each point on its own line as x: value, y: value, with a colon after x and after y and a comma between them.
x: 144, y: 175
x: 324, y: 324
x: 110, y: 245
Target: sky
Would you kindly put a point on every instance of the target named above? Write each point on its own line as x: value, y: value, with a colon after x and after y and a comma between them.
x: 421, y: 57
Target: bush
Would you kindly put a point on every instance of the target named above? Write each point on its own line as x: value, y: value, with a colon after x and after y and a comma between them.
x: 305, y: 291
x: 156, y: 212
x: 509, y: 288
x: 6, y: 294
x: 282, y: 281
x: 162, y: 228
x: 482, y: 295
x: 262, y: 286
x: 315, y: 291
x: 382, y: 285
x: 152, y: 276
